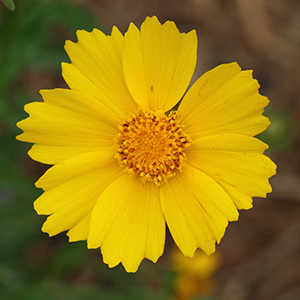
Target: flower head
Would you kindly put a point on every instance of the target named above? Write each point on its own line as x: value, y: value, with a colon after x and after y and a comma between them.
x: 125, y: 164
x: 194, y: 275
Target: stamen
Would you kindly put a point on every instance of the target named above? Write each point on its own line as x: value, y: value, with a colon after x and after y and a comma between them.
x: 152, y: 145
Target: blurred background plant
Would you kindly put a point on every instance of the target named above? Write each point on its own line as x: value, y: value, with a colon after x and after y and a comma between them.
x: 260, y: 254
x: 10, y: 4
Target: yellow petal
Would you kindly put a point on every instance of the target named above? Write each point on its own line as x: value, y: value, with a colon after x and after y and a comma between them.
x: 158, y: 63
x: 77, y: 166
x: 230, y: 142
x: 80, y: 231
x: 197, y: 210
x: 51, y: 155
x: 224, y: 99
x: 127, y: 223
x: 96, y: 70
x: 81, y: 103
x: 236, y: 163
x: 54, y: 125
x: 178, y: 221
x: 72, y: 189
x: 68, y: 203
x: 201, y: 265
x: 117, y: 40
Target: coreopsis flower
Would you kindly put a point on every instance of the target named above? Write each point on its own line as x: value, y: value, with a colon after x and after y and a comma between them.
x: 195, y: 276
x: 125, y: 163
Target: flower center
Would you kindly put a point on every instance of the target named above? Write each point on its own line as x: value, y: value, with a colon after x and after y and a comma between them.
x: 151, y: 145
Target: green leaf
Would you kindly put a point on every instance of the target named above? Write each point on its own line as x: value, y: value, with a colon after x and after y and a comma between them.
x: 9, y: 4
x: 278, y: 135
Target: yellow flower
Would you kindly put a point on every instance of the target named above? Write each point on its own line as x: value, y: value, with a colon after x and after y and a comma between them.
x: 194, y: 275
x: 124, y: 167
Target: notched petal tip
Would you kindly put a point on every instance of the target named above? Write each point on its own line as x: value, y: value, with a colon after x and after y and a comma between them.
x: 45, y: 228
x: 115, y: 31
x: 19, y: 136
x: 68, y: 45
x: 91, y: 244
x: 81, y: 33
x: 151, y: 19
x: 20, y: 125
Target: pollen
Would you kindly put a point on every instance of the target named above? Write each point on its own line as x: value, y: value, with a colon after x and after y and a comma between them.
x: 151, y: 144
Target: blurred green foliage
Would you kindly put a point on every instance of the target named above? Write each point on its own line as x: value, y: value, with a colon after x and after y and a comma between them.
x: 10, y: 4
x: 279, y: 134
